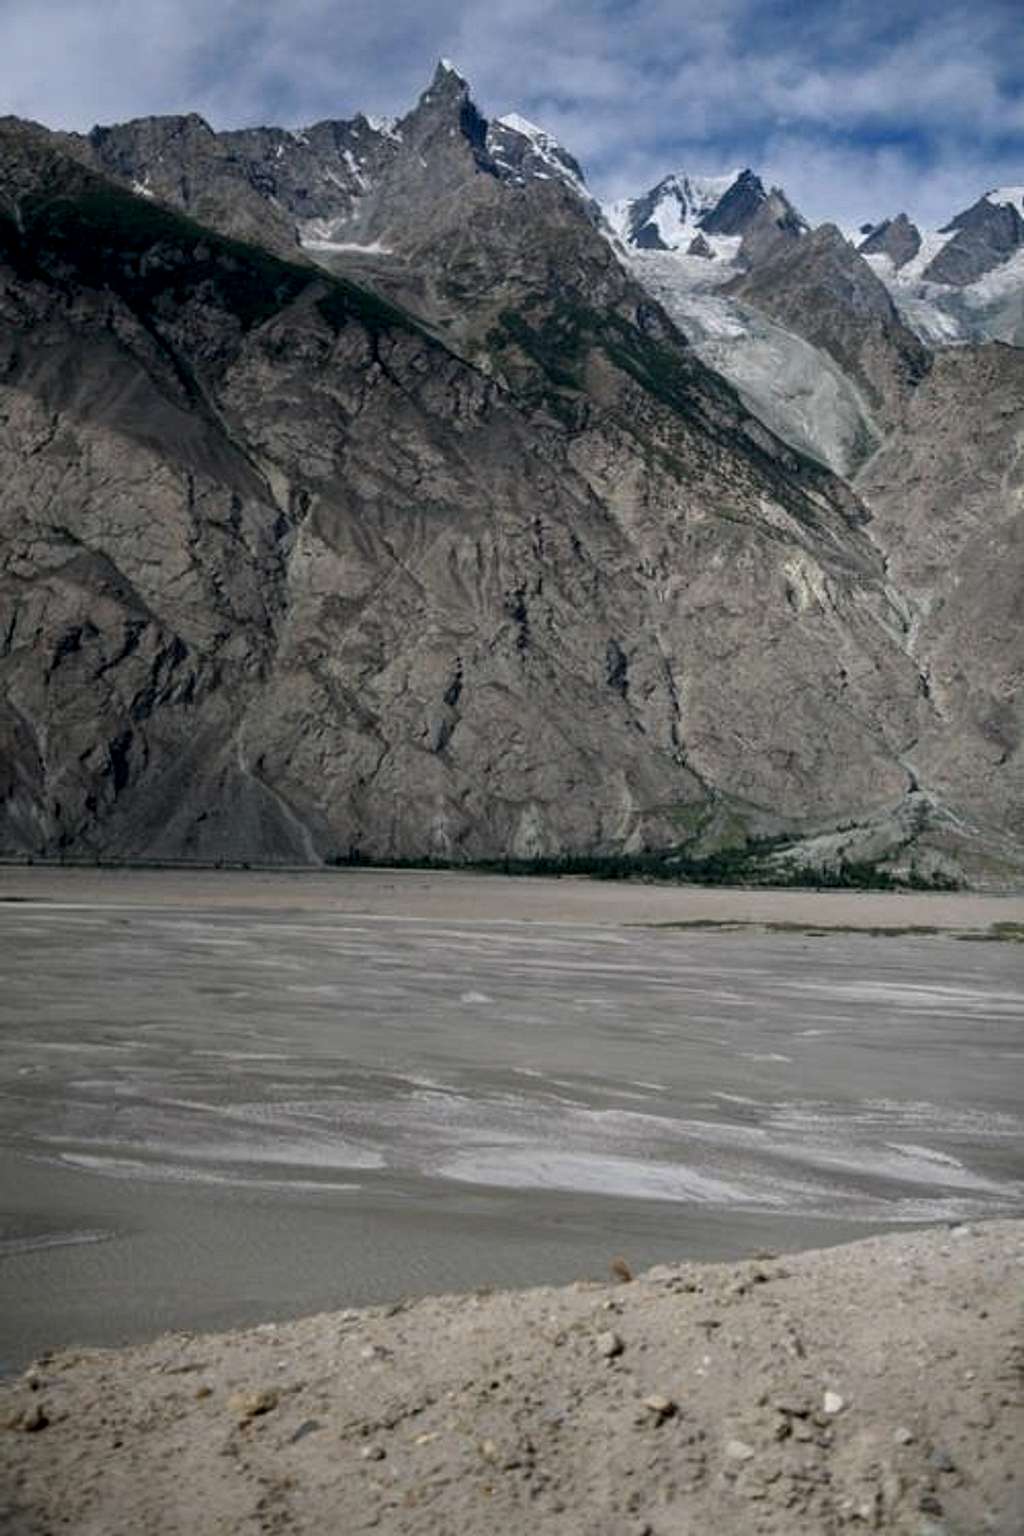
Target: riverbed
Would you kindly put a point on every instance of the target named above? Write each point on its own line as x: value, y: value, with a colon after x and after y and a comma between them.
x: 227, y: 1097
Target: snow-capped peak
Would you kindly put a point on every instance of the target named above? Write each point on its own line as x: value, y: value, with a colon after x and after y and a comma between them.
x: 705, y: 191
x: 542, y: 156
x: 1007, y: 196
x: 448, y: 68
x: 525, y: 127
x: 386, y: 126
x: 670, y: 216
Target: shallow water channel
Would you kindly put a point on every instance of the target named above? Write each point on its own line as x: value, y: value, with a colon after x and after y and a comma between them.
x: 217, y: 1116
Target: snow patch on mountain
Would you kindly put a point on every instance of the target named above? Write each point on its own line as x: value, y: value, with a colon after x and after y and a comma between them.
x: 387, y: 127
x: 1007, y: 196
x: 942, y: 315
x: 520, y: 147
x: 793, y: 387
x: 369, y: 248
x: 932, y: 242
x: 675, y: 210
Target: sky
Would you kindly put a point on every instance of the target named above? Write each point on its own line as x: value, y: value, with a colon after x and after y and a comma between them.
x: 858, y: 108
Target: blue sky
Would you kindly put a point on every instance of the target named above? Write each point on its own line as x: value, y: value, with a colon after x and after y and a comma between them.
x: 857, y: 107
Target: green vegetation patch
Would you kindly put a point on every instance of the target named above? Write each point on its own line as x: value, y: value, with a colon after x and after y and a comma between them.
x: 146, y: 253
x: 151, y: 255
x: 558, y: 343
x: 997, y: 933
x: 747, y: 864
x: 344, y: 301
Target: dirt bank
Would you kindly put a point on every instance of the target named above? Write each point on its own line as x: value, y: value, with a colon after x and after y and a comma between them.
x: 448, y: 895
x: 869, y: 1387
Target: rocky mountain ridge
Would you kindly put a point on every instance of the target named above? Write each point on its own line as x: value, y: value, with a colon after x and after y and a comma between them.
x: 343, y: 186
x: 432, y: 535
x: 979, y: 239
x: 705, y: 216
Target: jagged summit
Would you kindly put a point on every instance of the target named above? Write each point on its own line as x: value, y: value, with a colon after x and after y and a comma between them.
x: 897, y: 238
x: 963, y: 281
x: 525, y: 150
x: 1012, y: 197
x: 367, y: 184
x: 446, y: 80
x: 721, y: 210
x: 668, y: 216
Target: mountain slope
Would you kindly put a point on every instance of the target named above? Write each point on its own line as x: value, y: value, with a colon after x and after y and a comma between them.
x: 606, y: 613
x: 418, y: 527
x: 947, y: 495
x: 820, y: 288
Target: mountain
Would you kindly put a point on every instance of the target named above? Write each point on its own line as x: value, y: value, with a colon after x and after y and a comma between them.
x: 795, y: 319
x: 947, y: 498
x: 896, y: 238
x: 963, y: 282
x: 411, y: 524
x: 981, y: 238
x: 703, y: 215
x: 519, y: 147
x: 824, y: 291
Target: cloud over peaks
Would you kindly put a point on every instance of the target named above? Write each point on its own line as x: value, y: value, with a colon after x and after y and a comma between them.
x: 858, y: 107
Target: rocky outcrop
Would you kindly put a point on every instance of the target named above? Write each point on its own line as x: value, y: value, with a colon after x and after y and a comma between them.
x: 774, y: 226
x: 985, y: 235
x: 896, y: 238
x: 682, y: 209
x: 180, y: 161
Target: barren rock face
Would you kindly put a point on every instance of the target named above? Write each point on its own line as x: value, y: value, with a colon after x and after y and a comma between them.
x: 946, y: 493
x: 483, y: 562
x: 896, y: 238
x: 986, y: 234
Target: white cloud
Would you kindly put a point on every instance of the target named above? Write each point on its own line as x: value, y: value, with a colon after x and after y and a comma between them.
x: 846, y: 103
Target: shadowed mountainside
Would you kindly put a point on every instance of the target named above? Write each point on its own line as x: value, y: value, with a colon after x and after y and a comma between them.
x: 292, y: 570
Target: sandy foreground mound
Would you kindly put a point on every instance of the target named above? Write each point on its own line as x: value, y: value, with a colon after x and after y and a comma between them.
x: 871, y: 1387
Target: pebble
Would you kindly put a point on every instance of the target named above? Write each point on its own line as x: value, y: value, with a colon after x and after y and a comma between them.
x: 941, y: 1460
x: 739, y: 1450
x: 903, y: 1436
x: 34, y: 1419
x: 609, y: 1344
x: 307, y: 1427
x: 249, y: 1405
x: 661, y: 1407
x: 833, y: 1403
x: 373, y: 1453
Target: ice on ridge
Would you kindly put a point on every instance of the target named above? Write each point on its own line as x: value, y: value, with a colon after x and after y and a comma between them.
x: 1001, y: 196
